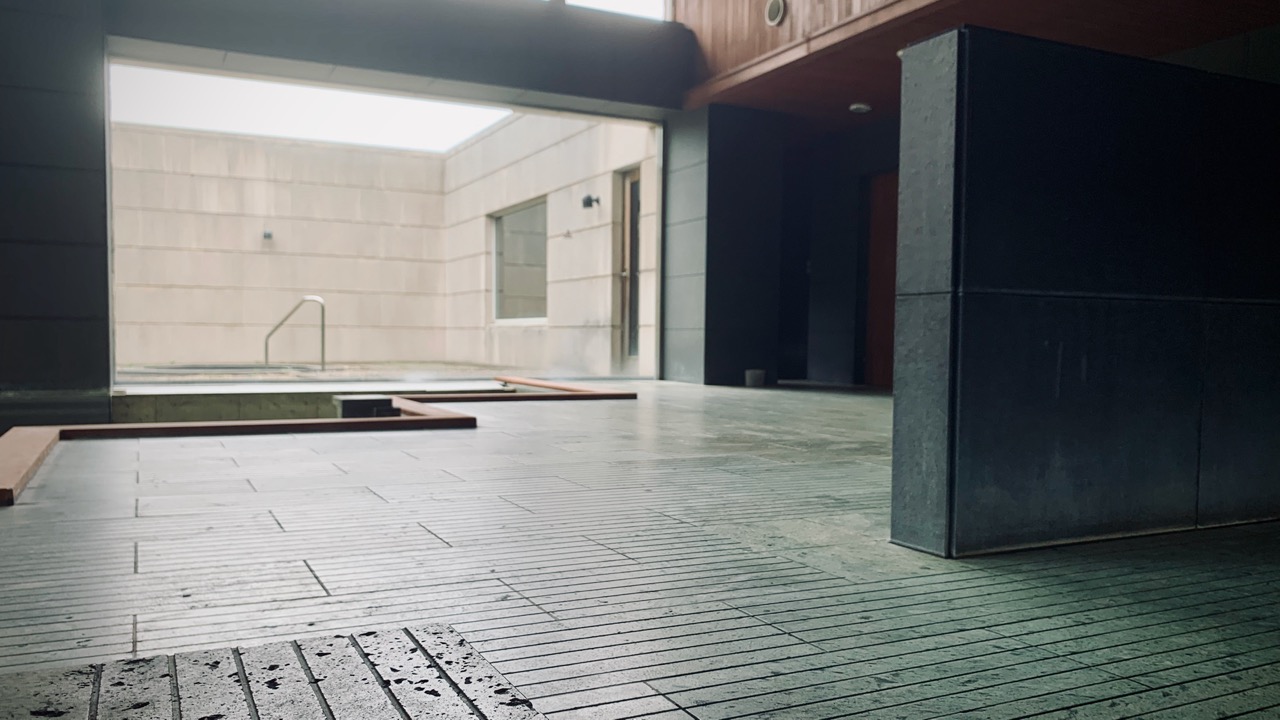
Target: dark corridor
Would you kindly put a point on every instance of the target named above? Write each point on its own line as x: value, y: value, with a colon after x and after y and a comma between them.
x: 837, y: 260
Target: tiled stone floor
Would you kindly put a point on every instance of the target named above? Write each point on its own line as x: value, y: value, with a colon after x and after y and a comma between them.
x: 705, y: 553
x: 423, y: 673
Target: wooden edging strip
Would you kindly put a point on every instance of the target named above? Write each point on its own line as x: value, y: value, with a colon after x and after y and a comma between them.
x: 559, y: 391
x: 545, y: 384
x: 565, y: 390
x: 22, y: 450
x: 419, y: 410
x: 443, y: 419
x: 520, y: 397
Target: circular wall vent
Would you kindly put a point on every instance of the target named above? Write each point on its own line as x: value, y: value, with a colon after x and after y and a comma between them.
x: 775, y: 11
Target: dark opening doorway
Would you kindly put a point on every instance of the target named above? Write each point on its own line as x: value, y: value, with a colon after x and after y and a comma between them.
x: 838, y: 260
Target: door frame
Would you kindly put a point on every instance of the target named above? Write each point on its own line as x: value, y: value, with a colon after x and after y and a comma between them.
x: 628, y: 191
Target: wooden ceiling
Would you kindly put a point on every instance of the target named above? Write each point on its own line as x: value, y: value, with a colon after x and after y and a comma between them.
x: 828, y: 59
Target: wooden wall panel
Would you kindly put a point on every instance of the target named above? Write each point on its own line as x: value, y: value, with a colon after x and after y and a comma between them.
x: 828, y: 54
x: 733, y: 33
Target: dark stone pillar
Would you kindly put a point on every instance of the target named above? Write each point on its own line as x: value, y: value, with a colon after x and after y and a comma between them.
x: 744, y: 232
x: 925, y: 307
x: 684, y: 247
x: 724, y: 206
x: 1088, y: 297
x: 54, y: 270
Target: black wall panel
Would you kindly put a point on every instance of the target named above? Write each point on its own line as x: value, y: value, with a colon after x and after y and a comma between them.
x: 836, y: 256
x: 1112, y: 362
x: 746, y: 167
x: 1240, y: 447
x: 1075, y: 417
x: 923, y: 422
x: 1080, y: 171
x: 55, y: 363
x: 1238, y: 211
x: 724, y: 210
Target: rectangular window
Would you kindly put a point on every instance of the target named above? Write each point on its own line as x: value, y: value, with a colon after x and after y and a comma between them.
x: 520, y: 262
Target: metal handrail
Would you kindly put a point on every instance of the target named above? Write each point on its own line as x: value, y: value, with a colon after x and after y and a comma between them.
x: 266, y: 344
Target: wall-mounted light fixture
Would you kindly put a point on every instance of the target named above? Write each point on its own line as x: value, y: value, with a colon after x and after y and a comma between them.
x: 267, y: 235
x: 775, y: 11
x: 860, y: 108
x: 590, y: 201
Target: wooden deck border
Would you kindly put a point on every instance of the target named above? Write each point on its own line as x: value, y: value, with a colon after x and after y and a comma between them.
x: 439, y: 420
x: 558, y: 391
x: 22, y: 451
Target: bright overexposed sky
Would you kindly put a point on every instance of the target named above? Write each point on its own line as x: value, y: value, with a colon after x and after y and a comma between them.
x: 220, y: 103
x: 656, y: 9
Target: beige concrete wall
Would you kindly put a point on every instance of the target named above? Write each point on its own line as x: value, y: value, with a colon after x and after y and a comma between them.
x: 196, y: 282
x: 561, y: 159
x: 399, y: 244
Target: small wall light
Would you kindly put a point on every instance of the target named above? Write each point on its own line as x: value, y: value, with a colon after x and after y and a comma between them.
x: 267, y: 235
x: 775, y: 11
x: 860, y: 108
x: 590, y: 201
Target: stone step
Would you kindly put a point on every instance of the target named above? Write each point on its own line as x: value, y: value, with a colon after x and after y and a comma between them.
x: 419, y: 673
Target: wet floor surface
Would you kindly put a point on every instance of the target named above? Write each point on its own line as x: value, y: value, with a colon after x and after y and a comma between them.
x: 700, y: 552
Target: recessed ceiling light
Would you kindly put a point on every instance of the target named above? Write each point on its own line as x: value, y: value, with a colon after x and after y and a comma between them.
x: 860, y: 108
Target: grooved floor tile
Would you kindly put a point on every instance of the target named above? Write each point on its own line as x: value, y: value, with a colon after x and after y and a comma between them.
x: 696, y: 553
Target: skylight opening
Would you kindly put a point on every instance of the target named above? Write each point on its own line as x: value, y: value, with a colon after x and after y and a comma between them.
x: 652, y: 9
x: 217, y: 103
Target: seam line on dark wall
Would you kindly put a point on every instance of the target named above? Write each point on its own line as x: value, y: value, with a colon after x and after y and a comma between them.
x: 49, y: 90
x: 59, y: 318
x: 1112, y: 297
x: 60, y: 167
x: 49, y: 241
